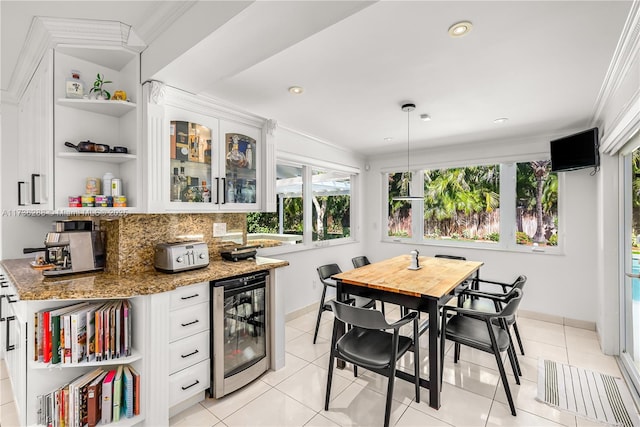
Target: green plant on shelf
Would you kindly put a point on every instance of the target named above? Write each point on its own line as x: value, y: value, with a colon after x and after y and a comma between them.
x: 97, y: 88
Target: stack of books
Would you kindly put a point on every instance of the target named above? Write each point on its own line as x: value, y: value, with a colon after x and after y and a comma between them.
x: 99, y: 396
x: 83, y: 332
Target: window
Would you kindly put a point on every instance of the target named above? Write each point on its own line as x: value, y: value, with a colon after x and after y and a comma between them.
x: 313, y: 206
x: 286, y: 225
x: 462, y: 203
x: 509, y: 205
x: 399, y: 217
x: 536, y: 204
x: 331, y: 216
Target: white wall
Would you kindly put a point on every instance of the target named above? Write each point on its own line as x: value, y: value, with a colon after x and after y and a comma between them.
x: 558, y: 285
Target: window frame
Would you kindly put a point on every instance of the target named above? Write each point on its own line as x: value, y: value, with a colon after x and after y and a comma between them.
x: 308, y: 165
x: 507, y: 207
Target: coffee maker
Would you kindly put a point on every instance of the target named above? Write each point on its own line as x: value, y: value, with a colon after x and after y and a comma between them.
x: 73, y: 248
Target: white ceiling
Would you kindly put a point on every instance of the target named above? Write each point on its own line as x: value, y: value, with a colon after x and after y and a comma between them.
x: 539, y: 63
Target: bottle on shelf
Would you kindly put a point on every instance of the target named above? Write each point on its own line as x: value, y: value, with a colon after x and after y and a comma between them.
x: 231, y: 192
x: 74, y: 87
x: 206, y: 194
x: 183, y: 183
x: 175, y: 186
x: 106, y: 183
x: 249, y: 155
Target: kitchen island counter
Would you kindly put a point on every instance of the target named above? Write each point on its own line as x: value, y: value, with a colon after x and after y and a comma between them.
x: 32, y: 285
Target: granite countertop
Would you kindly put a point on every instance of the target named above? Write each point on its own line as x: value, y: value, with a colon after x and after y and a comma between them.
x: 32, y: 285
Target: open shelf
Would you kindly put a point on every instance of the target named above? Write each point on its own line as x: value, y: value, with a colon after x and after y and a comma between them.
x: 135, y: 356
x: 99, y: 157
x: 108, y: 107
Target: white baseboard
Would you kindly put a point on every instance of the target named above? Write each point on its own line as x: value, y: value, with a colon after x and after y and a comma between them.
x: 582, y: 324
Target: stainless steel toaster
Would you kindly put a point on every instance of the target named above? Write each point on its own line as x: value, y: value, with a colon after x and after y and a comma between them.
x: 173, y: 257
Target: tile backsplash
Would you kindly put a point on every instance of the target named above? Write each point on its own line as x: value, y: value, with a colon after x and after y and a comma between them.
x: 131, y: 239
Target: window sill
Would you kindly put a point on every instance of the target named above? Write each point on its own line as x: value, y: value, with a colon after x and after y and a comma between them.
x: 480, y: 246
x: 286, y: 249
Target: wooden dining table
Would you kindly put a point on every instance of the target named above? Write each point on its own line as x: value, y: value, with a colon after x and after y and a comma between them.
x: 425, y: 289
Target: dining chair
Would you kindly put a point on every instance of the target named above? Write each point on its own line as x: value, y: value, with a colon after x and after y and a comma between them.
x: 368, y: 345
x: 361, y: 261
x: 477, y: 329
x: 325, y: 272
x: 482, y: 303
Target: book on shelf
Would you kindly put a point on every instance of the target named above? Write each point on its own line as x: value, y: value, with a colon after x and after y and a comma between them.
x: 94, y: 400
x: 118, y: 337
x: 136, y: 390
x: 128, y: 316
x: 117, y: 394
x: 127, y: 392
x: 36, y: 336
x: 57, y: 331
x: 112, y: 331
x: 78, y: 397
x: 46, y: 336
x: 107, y: 397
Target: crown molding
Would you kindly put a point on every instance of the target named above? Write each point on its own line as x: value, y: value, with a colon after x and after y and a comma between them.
x: 625, y: 55
x: 46, y: 33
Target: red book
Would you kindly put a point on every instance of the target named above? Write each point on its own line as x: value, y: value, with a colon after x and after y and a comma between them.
x: 46, y: 345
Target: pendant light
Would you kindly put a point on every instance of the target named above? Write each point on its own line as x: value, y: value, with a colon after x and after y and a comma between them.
x: 405, y: 191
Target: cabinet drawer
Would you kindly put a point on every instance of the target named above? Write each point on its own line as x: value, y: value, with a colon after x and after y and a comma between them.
x: 188, y: 321
x: 190, y: 381
x: 189, y: 295
x: 188, y: 351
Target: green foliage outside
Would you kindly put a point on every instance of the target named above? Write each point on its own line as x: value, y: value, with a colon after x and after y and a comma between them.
x: 522, y: 238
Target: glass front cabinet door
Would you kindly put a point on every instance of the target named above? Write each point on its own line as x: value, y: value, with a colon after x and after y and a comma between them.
x: 214, y: 164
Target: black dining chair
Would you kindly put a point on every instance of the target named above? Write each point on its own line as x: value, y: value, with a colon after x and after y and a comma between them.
x: 477, y: 329
x: 484, y: 300
x: 368, y: 345
x: 325, y: 272
x: 361, y: 261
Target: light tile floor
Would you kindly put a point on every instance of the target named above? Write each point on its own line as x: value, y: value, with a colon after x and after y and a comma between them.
x: 472, y: 393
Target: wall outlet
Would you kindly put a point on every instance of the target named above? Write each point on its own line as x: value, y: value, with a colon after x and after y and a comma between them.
x: 219, y: 229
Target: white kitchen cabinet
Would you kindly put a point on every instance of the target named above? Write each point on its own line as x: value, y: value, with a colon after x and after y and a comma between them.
x: 49, y: 172
x: 35, y: 135
x: 190, y: 139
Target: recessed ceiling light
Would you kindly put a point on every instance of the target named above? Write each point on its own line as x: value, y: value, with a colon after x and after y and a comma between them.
x: 500, y: 120
x: 388, y: 139
x: 459, y: 29
x: 425, y: 117
x: 296, y: 90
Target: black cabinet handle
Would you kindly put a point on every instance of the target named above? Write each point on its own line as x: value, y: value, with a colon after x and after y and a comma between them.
x: 184, y: 356
x: 224, y: 190
x: 33, y: 188
x: 189, y: 386
x: 4, y: 284
x: 20, y: 193
x: 190, y: 296
x: 10, y: 300
x: 217, y: 190
x: 2, y: 319
x: 9, y: 347
x: 190, y: 323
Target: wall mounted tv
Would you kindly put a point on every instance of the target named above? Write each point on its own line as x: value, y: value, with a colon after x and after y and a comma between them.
x: 576, y: 151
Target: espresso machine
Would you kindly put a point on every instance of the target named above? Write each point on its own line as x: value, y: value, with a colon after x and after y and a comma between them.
x: 73, y: 248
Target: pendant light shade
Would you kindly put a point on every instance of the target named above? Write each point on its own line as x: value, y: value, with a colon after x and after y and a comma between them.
x: 405, y: 190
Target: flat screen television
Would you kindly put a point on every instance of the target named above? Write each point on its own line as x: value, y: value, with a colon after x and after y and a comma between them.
x: 576, y: 151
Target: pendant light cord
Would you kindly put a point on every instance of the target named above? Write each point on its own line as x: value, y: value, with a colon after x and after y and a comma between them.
x: 408, y: 111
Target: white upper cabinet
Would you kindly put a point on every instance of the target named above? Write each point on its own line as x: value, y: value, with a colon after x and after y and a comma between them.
x: 202, y: 157
x: 56, y: 105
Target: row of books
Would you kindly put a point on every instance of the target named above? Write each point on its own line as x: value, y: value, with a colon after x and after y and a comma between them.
x: 100, y: 396
x: 83, y: 332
